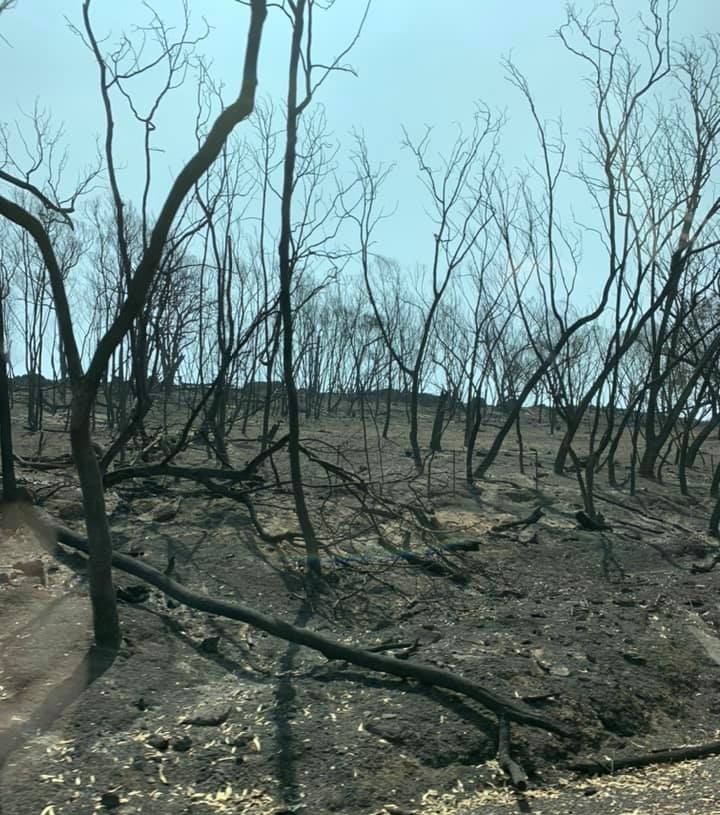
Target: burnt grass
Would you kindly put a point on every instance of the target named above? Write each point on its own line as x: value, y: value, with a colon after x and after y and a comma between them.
x: 612, y: 631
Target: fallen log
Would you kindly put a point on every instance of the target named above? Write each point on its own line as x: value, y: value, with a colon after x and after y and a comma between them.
x: 608, y: 765
x: 405, y: 669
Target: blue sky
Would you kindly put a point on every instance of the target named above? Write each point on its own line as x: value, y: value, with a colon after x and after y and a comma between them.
x: 419, y: 62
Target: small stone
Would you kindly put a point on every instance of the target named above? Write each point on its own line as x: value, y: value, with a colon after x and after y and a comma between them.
x: 138, y: 764
x: 158, y: 742
x: 110, y: 800
x: 164, y: 512
x: 137, y: 593
x: 634, y: 658
x: 72, y: 511
x: 182, y: 744
x: 210, y: 645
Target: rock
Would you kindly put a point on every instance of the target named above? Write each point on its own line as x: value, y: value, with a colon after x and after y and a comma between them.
x: 389, y: 731
x: 164, y: 512
x: 210, y: 645
x: 209, y: 715
x: 181, y: 744
x: 634, y: 658
x: 135, y: 593
x: 544, y: 663
x: 138, y: 764
x: 158, y: 742
x: 32, y: 568
x: 110, y: 800
x: 72, y: 511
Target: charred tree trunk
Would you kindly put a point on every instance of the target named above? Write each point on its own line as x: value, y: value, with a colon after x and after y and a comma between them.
x: 9, y: 484
x: 106, y: 623
x: 287, y: 262
x: 439, y: 423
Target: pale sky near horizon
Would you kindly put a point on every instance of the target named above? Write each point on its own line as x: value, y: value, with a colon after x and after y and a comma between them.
x: 419, y: 62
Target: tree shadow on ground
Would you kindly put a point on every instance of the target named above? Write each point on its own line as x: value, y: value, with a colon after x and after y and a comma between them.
x: 94, y: 664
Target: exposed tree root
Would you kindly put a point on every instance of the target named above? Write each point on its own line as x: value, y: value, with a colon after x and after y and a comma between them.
x: 596, y: 524
x: 607, y: 766
x: 425, y: 674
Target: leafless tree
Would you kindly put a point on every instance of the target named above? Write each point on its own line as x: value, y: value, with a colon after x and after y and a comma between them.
x: 652, y: 165
x: 85, y: 379
x: 304, y: 235
x: 458, y: 191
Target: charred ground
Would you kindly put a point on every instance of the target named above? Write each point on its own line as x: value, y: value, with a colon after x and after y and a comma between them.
x: 614, y: 631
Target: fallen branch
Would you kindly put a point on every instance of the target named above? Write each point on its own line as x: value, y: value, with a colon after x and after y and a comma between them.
x: 425, y: 674
x: 60, y: 463
x: 607, y: 766
x: 247, y: 473
x: 518, y: 776
x: 460, y: 545
x: 664, y: 521
x: 245, y: 500
x: 432, y: 564
x: 708, y: 566
x: 533, y: 518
